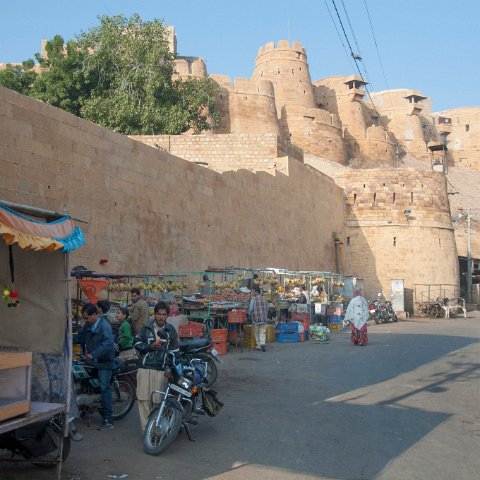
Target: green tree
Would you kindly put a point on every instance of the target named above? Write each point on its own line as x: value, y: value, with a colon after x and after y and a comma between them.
x: 134, y: 87
x: 63, y: 82
x: 19, y: 77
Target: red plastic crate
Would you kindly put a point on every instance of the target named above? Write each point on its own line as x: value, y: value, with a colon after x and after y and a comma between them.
x: 219, y: 335
x: 237, y: 316
x: 221, y: 348
x: 191, y: 330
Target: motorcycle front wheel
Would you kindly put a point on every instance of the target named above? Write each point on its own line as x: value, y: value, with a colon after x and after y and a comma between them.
x: 157, y: 439
x: 123, y: 397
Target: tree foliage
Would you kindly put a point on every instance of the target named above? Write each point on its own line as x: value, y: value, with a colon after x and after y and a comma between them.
x: 121, y: 74
x: 19, y: 77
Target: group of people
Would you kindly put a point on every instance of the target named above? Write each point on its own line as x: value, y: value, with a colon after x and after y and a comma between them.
x: 136, y: 333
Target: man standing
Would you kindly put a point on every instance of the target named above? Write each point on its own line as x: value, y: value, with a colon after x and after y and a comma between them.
x: 138, y: 311
x: 151, y: 366
x: 258, y: 311
x: 97, y: 342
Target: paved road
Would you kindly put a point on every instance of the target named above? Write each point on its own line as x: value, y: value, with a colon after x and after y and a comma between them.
x: 404, y: 407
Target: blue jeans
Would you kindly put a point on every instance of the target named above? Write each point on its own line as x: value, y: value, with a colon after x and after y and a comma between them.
x: 104, y: 377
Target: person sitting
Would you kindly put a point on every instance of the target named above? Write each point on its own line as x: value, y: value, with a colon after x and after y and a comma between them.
x: 206, y: 288
x: 125, y: 336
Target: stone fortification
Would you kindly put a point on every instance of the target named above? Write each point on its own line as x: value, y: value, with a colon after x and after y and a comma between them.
x: 247, y: 106
x: 462, y: 125
x: 408, y: 115
x: 398, y: 226
x: 312, y: 129
x: 149, y: 211
x: 228, y: 152
x: 367, y: 143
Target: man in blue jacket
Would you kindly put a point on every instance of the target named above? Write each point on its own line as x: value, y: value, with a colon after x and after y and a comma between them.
x: 97, y: 342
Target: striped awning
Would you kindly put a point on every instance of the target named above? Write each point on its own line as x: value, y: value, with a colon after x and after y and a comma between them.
x: 31, y: 234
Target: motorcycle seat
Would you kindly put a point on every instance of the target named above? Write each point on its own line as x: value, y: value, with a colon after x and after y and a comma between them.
x: 194, y: 344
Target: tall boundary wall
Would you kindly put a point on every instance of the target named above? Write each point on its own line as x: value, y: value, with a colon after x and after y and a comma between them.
x: 149, y: 211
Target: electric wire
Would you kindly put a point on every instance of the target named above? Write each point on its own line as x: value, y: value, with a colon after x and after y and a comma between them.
x: 376, y: 45
x: 338, y: 33
x: 355, y: 60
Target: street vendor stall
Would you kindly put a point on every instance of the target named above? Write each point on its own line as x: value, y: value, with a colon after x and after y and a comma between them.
x: 36, y: 319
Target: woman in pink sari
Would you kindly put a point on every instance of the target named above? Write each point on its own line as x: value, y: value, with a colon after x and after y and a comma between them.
x: 357, y: 314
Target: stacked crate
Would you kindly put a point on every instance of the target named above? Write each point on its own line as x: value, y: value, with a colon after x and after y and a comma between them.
x: 334, y: 322
x: 219, y: 339
x: 191, y: 330
x: 248, y: 337
x: 288, y: 332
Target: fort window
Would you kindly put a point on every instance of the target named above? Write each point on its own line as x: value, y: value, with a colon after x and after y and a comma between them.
x: 348, y: 240
x: 394, y: 241
x: 467, y: 128
x: 439, y: 242
x: 374, y: 198
x: 393, y: 198
x: 354, y: 198
x: 221, y: 96
x: 246, y: 98
x: 363, y: 185
x: 411, y: 197
x: 300, y: 68
x: 293, y: 72
x: 278, y: 70
x: 261, y: 74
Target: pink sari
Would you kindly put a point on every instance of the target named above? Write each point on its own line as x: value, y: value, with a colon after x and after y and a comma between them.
x: 359, y: 336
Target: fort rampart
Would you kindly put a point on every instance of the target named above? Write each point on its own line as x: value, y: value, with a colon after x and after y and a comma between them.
x: 149, y: 211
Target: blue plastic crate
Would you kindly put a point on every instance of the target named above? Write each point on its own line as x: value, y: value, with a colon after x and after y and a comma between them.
x: 291, y: 327
x: 334, y: 318
x: 287, y: 337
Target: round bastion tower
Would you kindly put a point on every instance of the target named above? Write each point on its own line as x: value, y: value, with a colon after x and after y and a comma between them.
x: 315, y: 130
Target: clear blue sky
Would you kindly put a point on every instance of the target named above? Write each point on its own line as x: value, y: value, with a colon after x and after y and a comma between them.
x: 427, y: 45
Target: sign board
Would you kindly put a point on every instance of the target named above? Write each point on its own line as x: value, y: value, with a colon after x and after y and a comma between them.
x: 398, y: 296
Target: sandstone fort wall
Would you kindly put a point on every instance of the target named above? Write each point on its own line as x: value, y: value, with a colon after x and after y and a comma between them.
x: 398, y: 227
x: 149, y: 211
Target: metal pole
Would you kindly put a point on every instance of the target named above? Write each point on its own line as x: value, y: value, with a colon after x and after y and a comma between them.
x: 469, y: 258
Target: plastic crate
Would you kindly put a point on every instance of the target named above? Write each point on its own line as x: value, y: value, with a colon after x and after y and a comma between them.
x: 237, y: 316
x: 249, y: 342
x: 287, y: 337
x: 270, y: 334
x: 334, y: 319
x: 221, y: 348
x: 219, y: 335
x: 190, y: 330
x: 334, y: 327
x: 288, y: 327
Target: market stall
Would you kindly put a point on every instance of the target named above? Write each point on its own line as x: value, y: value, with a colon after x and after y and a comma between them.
x: 36, y: 316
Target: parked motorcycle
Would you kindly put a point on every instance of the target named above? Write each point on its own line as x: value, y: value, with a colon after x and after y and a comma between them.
x: 201, y: 349
x: 186, y: 396
x: 87, y: 389
x: 38, y: 442
x: 384, y: 313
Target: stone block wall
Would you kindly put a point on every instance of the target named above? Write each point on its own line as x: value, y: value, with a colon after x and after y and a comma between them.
x: 398, y: 227
x: 229, y: 151
x: 149, y: 211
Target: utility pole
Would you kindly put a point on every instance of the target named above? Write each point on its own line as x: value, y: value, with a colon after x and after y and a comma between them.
x: 469, y: 257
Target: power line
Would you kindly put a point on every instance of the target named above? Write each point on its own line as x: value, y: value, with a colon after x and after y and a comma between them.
x: 338, y: 33
x: 355, y: 59
x: 376, y: 45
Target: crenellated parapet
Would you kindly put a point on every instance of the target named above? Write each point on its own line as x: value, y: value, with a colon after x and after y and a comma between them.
x: 246, y: 106
x: 190, y: 67
x: 286, y: 67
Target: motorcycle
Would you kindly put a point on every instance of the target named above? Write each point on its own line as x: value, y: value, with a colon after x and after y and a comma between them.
x: 87, y: 388
x: 201, y: 349
x: 383, y: 312
x: 38, y: 442
x: 185, y: 397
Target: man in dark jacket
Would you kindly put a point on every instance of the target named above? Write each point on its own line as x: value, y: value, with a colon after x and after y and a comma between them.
x: 97, y: 342
x: 150, y: 375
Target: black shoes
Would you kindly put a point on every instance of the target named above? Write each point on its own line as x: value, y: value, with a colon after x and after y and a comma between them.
x: 264, y: 349
x: 105, y: 426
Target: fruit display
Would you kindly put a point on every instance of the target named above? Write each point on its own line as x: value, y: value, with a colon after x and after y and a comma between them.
x: 153, y: 286
x: 318, y: 281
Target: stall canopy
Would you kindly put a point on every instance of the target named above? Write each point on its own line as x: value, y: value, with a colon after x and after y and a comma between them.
x: 33, y: 264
